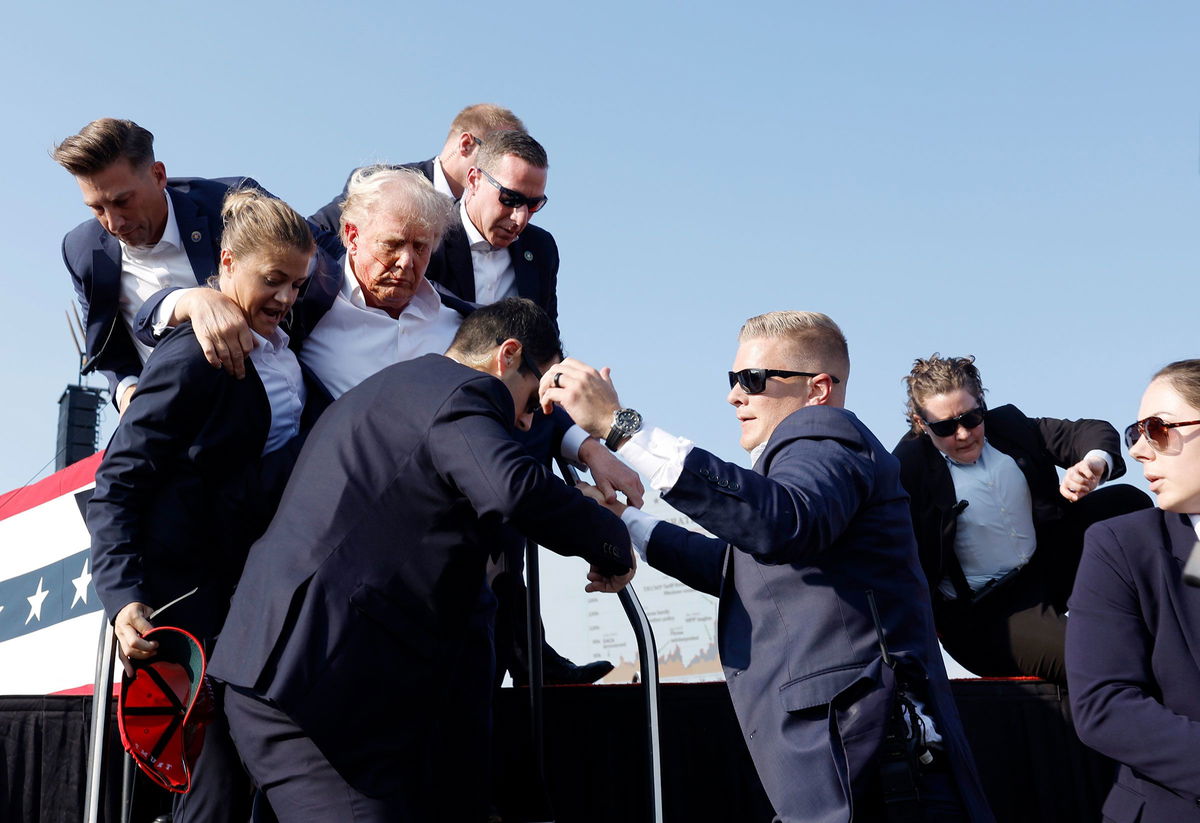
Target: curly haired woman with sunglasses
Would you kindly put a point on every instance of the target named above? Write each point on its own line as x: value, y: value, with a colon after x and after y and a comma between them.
x: 998, y: 533
x: 1133, y: 640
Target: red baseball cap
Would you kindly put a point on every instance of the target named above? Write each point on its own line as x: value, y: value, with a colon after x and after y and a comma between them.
x: 164, y: 707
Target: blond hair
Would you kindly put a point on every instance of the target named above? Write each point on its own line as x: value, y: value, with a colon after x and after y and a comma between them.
x: 379, y: 187
x: 817, y: 342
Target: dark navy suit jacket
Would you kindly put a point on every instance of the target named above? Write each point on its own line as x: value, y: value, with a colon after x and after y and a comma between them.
x: 534, y: 257
x: 802, y: 538
x: 355, y: 606
x: 93, y: 257
x: 1133, y: 663
x: 1036, y: 444
x: 184, y: 489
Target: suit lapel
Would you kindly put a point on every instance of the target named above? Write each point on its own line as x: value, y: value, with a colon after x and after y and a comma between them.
x: 525, y: 271
x: 196, y: 236
x: 105, y: 292
x: 1181, y: 541
x: 1181, y: 537
x: 458, y: 261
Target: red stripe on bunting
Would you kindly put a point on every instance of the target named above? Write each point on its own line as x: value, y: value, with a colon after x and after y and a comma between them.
x: 72, y: 478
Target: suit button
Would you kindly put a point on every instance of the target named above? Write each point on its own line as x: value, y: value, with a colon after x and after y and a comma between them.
x: 734, y: 487
x: 722, y: 484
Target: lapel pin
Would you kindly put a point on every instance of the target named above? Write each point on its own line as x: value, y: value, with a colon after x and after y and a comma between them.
x: 195, y: 237
x: 528, y: 257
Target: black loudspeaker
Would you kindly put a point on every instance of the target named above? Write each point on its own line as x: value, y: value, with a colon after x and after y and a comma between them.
x: 78, y: 424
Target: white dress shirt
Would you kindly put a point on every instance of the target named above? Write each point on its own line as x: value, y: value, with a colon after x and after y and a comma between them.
x: 279, y: 371
x: 440, y: 183
x: 1195, y: 518
x: 353, y: 340
x: 495, y: 277
x: 147, y: 269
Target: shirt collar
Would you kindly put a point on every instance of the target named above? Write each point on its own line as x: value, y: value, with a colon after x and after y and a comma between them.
x: 1195, y: 518
x: 979, y: 461
x: 425, y: 301
x: 273, y: 344
x: 440, y: 183
x: 475, y: 240
x: 168, y: 243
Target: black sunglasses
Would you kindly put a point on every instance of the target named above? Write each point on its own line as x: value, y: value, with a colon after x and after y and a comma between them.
x: 534, y: 401
x: 968, y: 420
x: 514, y: 199
x: 1155, y: 430
x: 754, y: 381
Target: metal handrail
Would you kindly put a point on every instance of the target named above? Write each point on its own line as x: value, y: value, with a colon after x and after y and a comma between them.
x: 98, y: 734
x: 643, y: 632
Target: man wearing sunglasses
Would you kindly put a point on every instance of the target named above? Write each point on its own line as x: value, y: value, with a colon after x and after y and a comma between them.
x: 999, y: 534
x: 492, y: 251
x: 448, y: 171
x: 816, y: 570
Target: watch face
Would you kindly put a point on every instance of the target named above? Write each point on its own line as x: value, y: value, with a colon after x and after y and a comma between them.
x: 627, y: 420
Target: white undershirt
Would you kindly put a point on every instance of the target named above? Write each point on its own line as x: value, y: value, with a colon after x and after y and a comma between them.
x: 147, y: 269
x: 495, y: 277
x: 353, y: 340
x: 1195, y: 518
x: 279, y: 371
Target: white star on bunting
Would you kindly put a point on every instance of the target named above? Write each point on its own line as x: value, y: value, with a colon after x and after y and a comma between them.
x: 81, y: 584
x: 35, y: 602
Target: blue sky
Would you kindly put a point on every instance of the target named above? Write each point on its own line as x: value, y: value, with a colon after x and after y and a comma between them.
x: 1018, y: 182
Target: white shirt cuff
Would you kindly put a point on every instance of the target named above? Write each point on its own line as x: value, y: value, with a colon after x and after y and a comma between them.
x: 572, y: 439
x: 126, y: 382
x: 640, y: 525
x: 161, y: 319
x: 1108, y: 461
x: 657, y: 455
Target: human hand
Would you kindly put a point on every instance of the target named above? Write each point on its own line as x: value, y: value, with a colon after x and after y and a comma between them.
x: 129, y: 626
x: 1082, y: 478
x: 611, y: 475
x: 588, y: 395
x: 609, y: 584
x: 592, y: 493
x: 220, y: 326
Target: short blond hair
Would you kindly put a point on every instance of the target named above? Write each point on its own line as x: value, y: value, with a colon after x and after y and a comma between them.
x: 371, y: 186
x: 481, y: 119
x: 816, y: 341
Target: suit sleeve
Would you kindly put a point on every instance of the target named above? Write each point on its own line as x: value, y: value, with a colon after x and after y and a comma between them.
x: 475, y: 452
x: 816, y: 486
x: 174, y: 397
x: 693, y: 559
x: 1112, y: 685
x: 1069, y: 440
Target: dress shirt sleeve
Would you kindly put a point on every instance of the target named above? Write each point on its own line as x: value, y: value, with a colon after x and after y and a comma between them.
x: 1108, y: 462
x: 569, y: 450
x: 160, y: 318
x: 657, y: 455
x: 640, y: 525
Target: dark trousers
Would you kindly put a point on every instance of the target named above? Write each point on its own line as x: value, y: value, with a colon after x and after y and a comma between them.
x: 296, y: 777
x: 220, y: 789
x: 1018, y: 628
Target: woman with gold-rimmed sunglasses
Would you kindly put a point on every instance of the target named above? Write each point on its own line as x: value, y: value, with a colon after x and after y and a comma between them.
x: 1133, y: 640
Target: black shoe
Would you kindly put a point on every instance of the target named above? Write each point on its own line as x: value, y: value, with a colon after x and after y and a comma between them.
x: 562, y: 672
